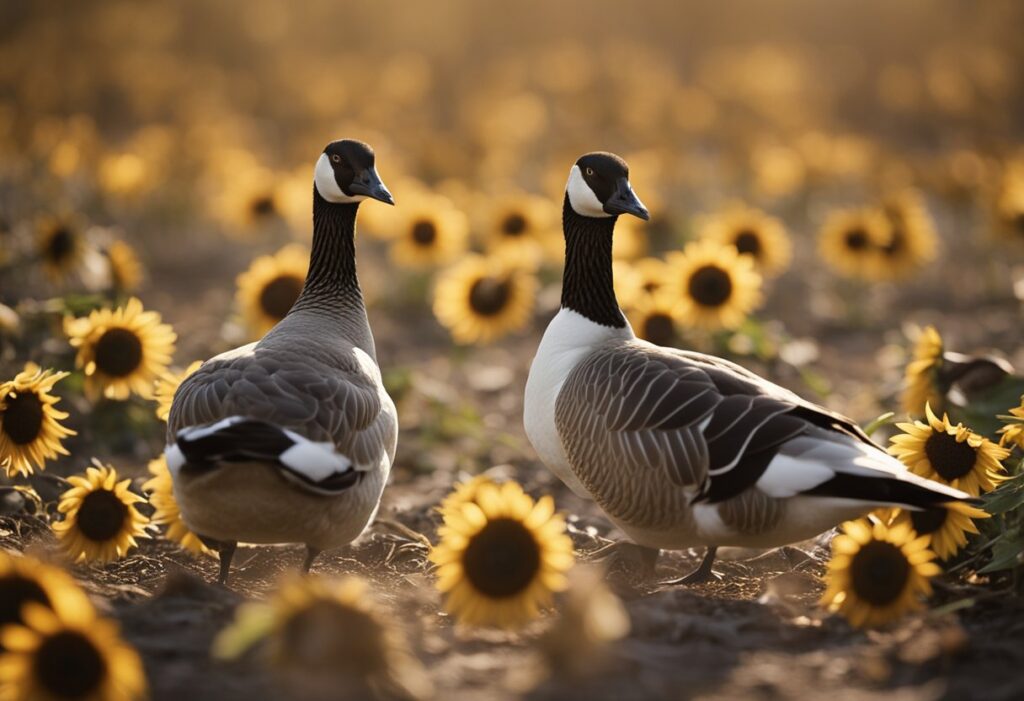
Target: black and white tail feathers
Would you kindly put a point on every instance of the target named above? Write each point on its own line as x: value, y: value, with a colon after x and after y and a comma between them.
x: 316, y: 466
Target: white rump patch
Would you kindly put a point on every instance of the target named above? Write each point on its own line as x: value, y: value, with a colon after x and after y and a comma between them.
x: 174, y: 457
x: 314, y: 460
x: 327, y: 186
x: 194, y: 433
x: 788, y: 476
x: 581, y: 198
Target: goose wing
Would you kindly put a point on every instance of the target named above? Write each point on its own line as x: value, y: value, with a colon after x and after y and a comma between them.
x: 342, y: 406
x: 712, y: 427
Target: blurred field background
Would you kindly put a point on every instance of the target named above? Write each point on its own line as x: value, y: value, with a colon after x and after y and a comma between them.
x: 188, y: 130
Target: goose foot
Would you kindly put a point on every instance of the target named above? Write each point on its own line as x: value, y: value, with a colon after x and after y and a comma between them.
x: 311, y: 554
x: 702, y: 574
x: 630, y: 555
x: 226, y: 550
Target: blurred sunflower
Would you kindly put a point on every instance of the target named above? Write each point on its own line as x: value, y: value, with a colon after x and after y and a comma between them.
x: 270, y: 286
x: 501, y: 556
x: 464, y: 493
x: 630, y: 241
x: 30, y: 428
x: 160, y: 488
x: 877, y: 573
x: 328, y: 640
x: 100, y: 522
x: 946, y: 528
x: 850, y: 242
x: 912, y: 241
x: 752, y: 233
x: 649, y: 275
x: 250, y: 196
x: 716, y: 286
x: 523, y: 227
x: 429, y: 231
x: 125, y: 270
x: 123, y: 350
x: 60, y: 246
x: 1010, y: 201
x: 1013, y: 426
x: 25, y: 579
x: 71, y: 655
x: 653, y: 319
x: 166, y: 385
x: 482, y: 299
x: 921, y: 376
x: 953, y: 455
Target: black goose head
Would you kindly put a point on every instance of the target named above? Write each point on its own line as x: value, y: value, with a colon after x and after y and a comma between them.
x: 346, y: 173
x: 599, y: 187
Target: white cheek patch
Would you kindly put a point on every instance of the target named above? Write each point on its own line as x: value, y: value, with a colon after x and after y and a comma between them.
x: 327, y: 186
x: 581, y: 197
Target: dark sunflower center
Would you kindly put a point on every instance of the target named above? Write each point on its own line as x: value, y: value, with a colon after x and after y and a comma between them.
x: 278, y: 295
x: 710, y: 286
x: 262, y: 206
x: 659, y: 329
x: 950, y: 458
x: 69, y: 666
x: 928, y: 521
x: 748, y: 241
x: 1018, y: 222
x: 513, y: 224
x: 879, y: 573
x: 15, y: 592
x: 856, y: 239
x: 488, y: 297
x: 118, y: 352
x: 502, y: 559
x: 22, y: 420
x: 424, y: 232
x: 651, y: 286
x: 101, y: 516
x: 60, y: 245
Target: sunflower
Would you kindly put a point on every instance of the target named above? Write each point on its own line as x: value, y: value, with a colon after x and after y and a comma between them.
x: 851, y: 240
x: 430, y: 231
x: 1013, y: 426
x: 100, y: 519
x: 30, y: 428
x: 921, y: 375
x: 327, y: 639
x: 912, y: 241
x: 464, y: 493
x: 60, y: 246
x: 122, y: 350
x: 522, y: 227
x: 639, y: 279
x: 166, y: 385
x: 1010, y: 201
x: 160, y: 488
x: 953, y: 455
x: 715, y: 285
x: 75, y: 654
x: 501, y: 556
x: 946, y: 528
x: 630, y: 241
x: 25, y: 579
x: 877, y: 572
x: 653, y: 318
x: 752, y: 233
x: 483, y: 298
x: 269, y: 288
x: 125, y: 270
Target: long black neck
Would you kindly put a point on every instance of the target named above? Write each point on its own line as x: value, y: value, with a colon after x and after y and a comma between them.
x: 331, y: 283
x: 587, y: 286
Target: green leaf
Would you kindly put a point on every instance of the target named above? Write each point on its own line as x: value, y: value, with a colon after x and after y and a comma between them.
x: 883, y: 420
x: 1007, y: 553
x: 1007, y: 497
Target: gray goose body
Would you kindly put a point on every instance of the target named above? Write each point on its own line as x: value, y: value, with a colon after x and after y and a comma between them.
x: 678, y: 448
x: 291, y: 438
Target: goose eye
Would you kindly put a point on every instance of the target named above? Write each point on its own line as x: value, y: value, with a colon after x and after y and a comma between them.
x: 590, y: 171
x: 336, y: 158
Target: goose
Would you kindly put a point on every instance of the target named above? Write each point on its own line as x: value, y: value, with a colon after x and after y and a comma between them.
x: 290, y: 439
x: 678, y: 448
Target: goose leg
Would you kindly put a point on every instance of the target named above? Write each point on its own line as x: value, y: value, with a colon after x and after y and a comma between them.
x: 226, y: 550
x: 311, y: 554
x: 702, y: 574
